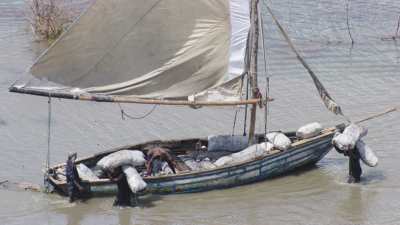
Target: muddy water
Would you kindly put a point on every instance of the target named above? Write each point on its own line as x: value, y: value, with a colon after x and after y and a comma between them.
x: 364, y: 79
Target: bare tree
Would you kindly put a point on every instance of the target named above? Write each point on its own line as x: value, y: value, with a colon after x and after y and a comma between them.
x: 48, y: 18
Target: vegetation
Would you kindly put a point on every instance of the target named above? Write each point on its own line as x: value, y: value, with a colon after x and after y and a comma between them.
x: 48, y: 18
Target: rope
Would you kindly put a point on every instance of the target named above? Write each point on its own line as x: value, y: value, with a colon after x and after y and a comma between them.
x: 378, y: 115
x: 46, y: 174
x: 246, y: 107
x: 265, y: 71
x: 124, y: 114
x: 237, y: 109
x: 330, y: 104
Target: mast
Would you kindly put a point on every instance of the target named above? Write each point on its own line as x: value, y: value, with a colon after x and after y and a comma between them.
x: 254, y: 34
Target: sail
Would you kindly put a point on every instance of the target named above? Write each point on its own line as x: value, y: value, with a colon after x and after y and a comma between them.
x: 156, y: 49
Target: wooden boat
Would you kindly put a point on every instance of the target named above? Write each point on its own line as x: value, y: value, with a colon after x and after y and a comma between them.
x: 166, y: 53
x: 301, y: 153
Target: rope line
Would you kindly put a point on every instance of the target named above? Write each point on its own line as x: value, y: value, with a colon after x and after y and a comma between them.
x: 46, y: 173
x: 124, y: 114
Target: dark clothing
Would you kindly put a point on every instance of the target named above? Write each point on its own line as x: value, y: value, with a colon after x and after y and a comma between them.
x: 355, y: 170
x: 73, y: 181
x: 159, y: 154
x: 124, y: 195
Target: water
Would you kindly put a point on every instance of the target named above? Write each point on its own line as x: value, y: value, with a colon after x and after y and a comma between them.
x: 364, y: 79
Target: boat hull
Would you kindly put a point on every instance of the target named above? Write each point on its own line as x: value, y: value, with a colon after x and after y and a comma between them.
x: 226, y: 177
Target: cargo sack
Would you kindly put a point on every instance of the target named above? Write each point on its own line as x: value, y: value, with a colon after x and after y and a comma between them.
x: 279, y: 140
x: 206, y: 164
x: 227, y: 143
x: 247, y: 154
x: 135, y: 181
x: 349, y: 138
x: 223, y: 161
x: 85, y: 173
x: 121, y: 158
x: 343, y: 142
x: 367, y: 155
x: 355, y: 131
x: 308, y: 131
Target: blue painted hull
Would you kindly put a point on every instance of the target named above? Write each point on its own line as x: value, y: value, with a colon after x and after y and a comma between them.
x: 308, y: 153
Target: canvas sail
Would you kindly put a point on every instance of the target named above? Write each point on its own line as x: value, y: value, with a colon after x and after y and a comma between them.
x: 157, y: 49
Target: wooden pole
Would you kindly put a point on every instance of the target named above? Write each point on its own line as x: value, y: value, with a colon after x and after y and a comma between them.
x: 253, y: 66
x: 128, y: 99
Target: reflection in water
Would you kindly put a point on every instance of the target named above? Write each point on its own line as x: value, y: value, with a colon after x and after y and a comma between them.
x: 363, y: 82
x: 124, y: 216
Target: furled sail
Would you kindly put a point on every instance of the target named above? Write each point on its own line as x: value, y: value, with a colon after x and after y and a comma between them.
x: 153, y: 49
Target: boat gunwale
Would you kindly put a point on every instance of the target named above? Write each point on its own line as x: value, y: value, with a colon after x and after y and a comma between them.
x: 295, y: 146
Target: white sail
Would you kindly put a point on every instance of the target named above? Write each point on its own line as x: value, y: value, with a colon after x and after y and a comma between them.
x: 152, y: 49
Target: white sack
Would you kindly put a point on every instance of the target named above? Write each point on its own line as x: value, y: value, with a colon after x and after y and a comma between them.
x: 121, y: 158
x: 249, y: 153
x: 223, y: 161
x: 227, y: 143
x: 135, y: 181
x: 310, y: 130
x: 355, y: 131
x: 85, y: 173
x: 279, y: 140
x: 193, y: 165
x: 206, y: 164
x: 165, y: 169
x: 344, y: 142
x: 367, y: 155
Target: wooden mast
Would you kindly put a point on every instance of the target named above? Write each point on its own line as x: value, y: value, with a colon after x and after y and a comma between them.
x: 254, y: 34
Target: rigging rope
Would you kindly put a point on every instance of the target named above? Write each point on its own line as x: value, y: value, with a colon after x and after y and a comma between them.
x: 265, y: 73
x: 238, y: 107
x: 46, y: 173
x: 124, y: 114
x: 330, y: 104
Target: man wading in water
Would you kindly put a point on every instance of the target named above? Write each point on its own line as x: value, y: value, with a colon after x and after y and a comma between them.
x: 75, y: 189
x: 355, y: 170
x: 124, y: 195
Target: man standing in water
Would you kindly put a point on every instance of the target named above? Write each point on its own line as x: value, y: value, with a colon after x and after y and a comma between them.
x: 355, y: 170
x: 124, y: 195
x: 73, y: 181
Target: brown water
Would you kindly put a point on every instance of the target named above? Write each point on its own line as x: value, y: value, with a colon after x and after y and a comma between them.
x: 364, y: 79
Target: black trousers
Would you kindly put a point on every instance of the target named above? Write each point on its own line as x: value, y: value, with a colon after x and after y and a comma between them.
x: 355, y: 170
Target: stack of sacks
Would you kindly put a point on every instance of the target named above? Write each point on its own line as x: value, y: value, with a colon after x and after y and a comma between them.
x: 249, y: 153
x: 128, y: 160
x: 308, y: 131
x: 279, y: 140
x: 351, y: 138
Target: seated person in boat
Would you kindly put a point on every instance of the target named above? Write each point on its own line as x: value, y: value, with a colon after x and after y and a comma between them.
x: 156, y: 156
x: 74, y: 185
x: 124, y: 194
